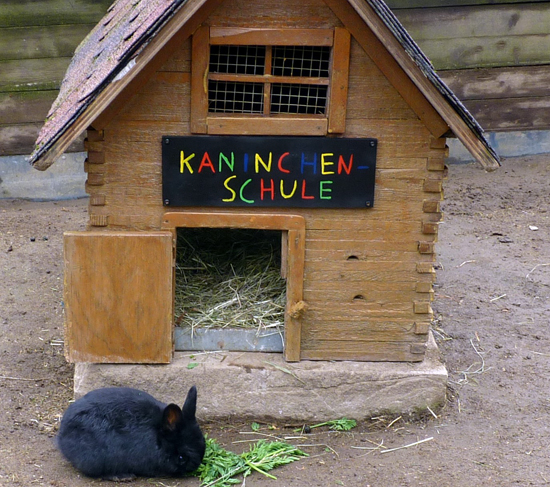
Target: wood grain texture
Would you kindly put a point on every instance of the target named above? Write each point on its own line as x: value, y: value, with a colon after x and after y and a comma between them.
x: 368, y: 270
x: 118, y: 310
x: 478, y: 36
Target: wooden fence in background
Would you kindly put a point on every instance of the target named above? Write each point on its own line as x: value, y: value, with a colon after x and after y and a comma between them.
x: 495, y: 55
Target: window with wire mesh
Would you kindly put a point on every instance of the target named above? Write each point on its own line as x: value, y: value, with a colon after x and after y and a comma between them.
x: 268, y: 79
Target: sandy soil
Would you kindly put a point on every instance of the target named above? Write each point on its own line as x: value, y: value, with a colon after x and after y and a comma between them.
x: 492, y: 314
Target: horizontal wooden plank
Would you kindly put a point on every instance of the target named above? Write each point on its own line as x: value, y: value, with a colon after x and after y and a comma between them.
x: 364, y: 253
x: 360, y: 351
x: 273, y: 37
x: 20, y: 139
x: 365, y: 331
x: 363, y: 222
x: 280, y: 125
x: 29, y: 74
x: 52, y: 12
x: 376, y: 233
x: 485, y: 52
x: 481, y: 36
x: 374, y: 276
x: 288, y: 14
x: 512, y: 114
x: 357, y: 266
x: 376, y: 287
x: 365, y: 299
x: 498, y: 83
x: 505, y: 98
x: 25, y: 107
x: 41, y: 41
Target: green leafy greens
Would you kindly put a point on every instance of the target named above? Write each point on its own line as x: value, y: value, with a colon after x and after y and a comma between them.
x: 220, y: 467
x: 343, y: 424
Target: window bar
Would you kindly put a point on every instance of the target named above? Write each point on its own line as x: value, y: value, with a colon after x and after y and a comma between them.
x: 267, y: 85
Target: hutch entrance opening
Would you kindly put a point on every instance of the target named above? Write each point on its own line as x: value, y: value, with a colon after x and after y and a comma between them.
x: 230, y: 286
x: 238, y: 252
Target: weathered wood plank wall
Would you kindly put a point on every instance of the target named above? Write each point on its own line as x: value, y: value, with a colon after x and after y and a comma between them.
x: 494, y: 55
x: 37, y: 42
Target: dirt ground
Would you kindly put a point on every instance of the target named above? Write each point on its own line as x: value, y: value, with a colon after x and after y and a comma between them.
x: 492, y: 313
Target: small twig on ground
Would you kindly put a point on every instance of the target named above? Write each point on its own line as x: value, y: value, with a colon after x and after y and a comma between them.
x: 407, y: 446
x: 497, y: 298
x: 467, y: 262
x: 536, y: 267
x: 5, y: 377
x: 393, y: 422
x: 466, y: 373
x: 432, y: 413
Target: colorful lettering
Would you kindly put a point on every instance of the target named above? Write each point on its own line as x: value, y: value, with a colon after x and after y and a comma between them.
x: 280, y: 163
x: 323, y: 190
x: 309, y: 163
x: 342, y: 164
x: 228, y: 163
x: 287, y: 196
x: 258, y: 160
x: 325, y: 163
x: 206, y: 162
x: 304, y: 196
x: 250, y: 202
x: 270, y: 189
x: 184, y: 161
x: 226, y: 186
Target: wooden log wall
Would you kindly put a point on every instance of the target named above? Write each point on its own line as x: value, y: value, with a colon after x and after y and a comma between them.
x: 368, y: 273
x: 495, y: 55
x: 37, y: 42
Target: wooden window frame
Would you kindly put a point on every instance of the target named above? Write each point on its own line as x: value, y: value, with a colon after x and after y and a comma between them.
x: 293, y: 257
x: 333, y: 122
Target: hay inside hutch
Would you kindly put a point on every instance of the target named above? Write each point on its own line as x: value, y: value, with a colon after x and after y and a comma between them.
x: 319, y: 120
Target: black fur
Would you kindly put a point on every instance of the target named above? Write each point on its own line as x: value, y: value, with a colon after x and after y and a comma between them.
x: 119, y: 433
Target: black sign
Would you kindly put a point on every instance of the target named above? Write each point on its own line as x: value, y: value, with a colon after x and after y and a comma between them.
x: 242, y: 171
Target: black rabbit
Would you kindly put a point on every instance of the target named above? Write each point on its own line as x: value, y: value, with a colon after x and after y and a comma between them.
x: 119, y: 433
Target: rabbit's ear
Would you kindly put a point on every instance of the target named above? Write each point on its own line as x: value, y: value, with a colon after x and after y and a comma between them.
x: 172, y: 417
x: 190, y: 407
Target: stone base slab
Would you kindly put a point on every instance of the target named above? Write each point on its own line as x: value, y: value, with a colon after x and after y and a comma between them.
x: 262, y: 386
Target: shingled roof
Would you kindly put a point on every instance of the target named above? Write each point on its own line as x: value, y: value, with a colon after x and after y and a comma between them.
x: 106, y: 58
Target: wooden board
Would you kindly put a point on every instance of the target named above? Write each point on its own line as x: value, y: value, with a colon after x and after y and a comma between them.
x: 481, y: 36
x: 51, y: 12
x: 25, y: 107
x: 504, y: 98
x: 19, y: 139
x: 118, y: 297
x: 39, y: 42
x: 29, y: 74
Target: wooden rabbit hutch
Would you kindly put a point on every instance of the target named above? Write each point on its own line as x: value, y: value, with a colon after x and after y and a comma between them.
x: 319, y: 119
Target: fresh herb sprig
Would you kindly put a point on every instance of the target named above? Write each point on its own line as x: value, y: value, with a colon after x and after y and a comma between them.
x: 220, y: 467
x: 343, y: 424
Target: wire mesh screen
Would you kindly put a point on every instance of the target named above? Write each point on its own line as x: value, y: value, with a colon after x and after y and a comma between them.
x: 302, y: 99
x: 233, y: 97
x: 237, y: 59
x: 307, y: 61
